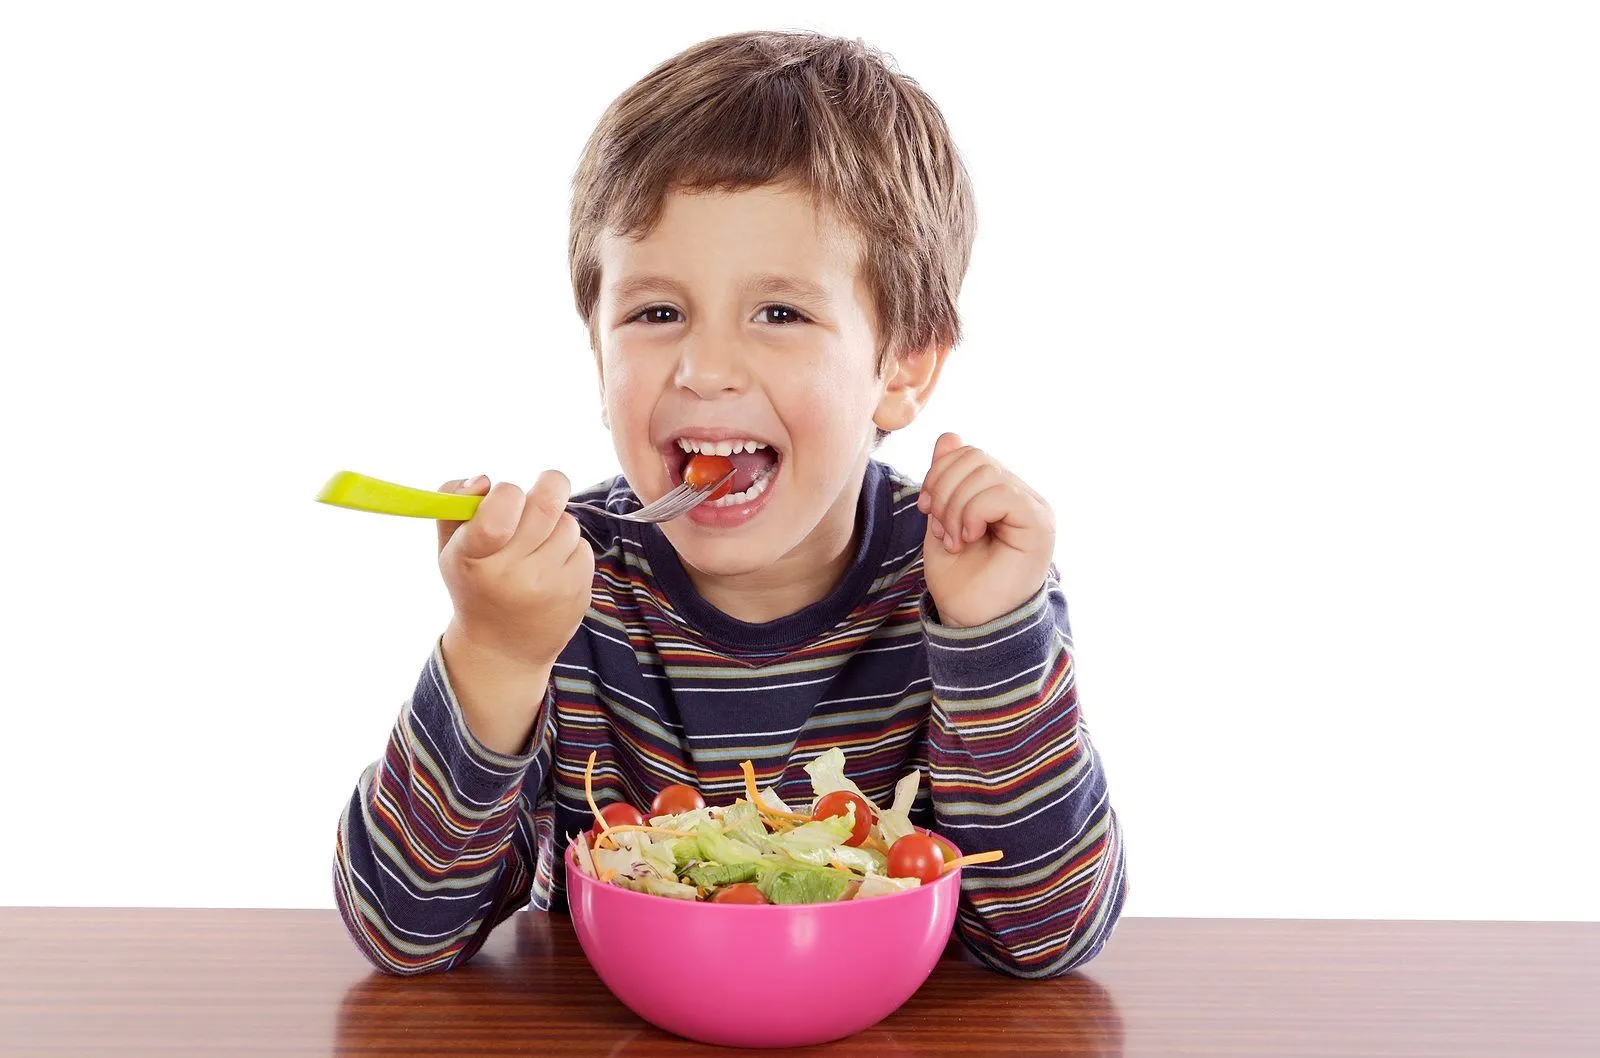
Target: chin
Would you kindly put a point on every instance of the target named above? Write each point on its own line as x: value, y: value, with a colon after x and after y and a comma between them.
x: 724, y: 557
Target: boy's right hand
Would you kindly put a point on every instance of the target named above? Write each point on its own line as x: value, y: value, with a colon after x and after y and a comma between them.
x: 519, y: 574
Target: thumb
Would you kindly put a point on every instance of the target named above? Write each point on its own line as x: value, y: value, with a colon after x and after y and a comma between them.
x: 947, y: 443
x: 492, y: 525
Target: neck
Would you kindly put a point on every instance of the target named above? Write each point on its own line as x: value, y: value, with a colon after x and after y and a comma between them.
x: 803, y: 576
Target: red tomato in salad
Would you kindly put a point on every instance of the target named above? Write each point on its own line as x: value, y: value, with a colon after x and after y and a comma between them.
x: 676, y: 799
x: 705, y: 470
x: 837, y: 804
x: 740, y: 893
x: 617, y: 814
x: 916, y: 856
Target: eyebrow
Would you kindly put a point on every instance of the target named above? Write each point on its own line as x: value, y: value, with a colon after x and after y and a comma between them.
x: 771, y: 283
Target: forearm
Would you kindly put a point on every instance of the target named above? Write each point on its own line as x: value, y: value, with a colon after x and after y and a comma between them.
x: 1012, y: 769
x: 425, y: 862
x: 499, y: 697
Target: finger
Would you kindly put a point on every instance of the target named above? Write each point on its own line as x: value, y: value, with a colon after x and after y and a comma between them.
x: 491, y: 528
x: 952, y: 512
x: 546, y: 503
x: 945, y: 446
x: 935, y: 529
x: 941, y: 474
x: 1006, y: 510
x: 581, y: 559
x: 563, y: 539
x: 475, y: 486
x: 956, y: 468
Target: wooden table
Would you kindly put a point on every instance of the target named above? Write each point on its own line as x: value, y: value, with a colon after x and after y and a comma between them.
x: 290, y: 982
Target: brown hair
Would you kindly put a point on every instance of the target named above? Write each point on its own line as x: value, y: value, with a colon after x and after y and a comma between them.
x: 749, y: 109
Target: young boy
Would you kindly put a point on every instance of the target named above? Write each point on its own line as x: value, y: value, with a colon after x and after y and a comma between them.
x: 769, y: 232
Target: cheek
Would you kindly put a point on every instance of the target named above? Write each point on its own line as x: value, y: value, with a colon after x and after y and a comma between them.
x: 830, y: 403
x: 626, y: 390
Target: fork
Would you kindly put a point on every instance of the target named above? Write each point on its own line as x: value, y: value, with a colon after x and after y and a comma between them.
x: 362, y: 493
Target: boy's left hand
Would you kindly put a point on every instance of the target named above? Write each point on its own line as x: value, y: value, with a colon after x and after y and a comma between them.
x: 990, y: 538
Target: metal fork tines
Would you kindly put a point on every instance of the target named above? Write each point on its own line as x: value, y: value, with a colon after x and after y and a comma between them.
x: 675, y: 504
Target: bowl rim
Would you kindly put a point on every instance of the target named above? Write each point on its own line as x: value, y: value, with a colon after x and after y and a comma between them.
x: 570, y: 858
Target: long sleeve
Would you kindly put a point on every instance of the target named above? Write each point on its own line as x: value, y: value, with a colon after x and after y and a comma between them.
x: 1011, y: 768
x: 426, y: 861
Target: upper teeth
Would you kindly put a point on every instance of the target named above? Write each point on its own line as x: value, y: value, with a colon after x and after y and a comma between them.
x: 717, y: 448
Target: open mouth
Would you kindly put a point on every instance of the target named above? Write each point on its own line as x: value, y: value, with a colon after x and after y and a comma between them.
x: 755, y: 467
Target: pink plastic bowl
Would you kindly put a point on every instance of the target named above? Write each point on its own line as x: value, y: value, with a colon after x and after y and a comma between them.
x: 845, y: 965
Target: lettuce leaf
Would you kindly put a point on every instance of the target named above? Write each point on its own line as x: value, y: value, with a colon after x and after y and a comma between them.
x: 718, y: 847
x: 770, y: 798
x: 803, y: 885
x: 827, y: 775
x: 711, y: 875
x: 894, y: 822
x: 660, y: 887
x: 816, y: 833
x: 743, y: 822
x: 864, y: 860
x: 684, y: 821
x: 583, y: 856
x: 878, y: 885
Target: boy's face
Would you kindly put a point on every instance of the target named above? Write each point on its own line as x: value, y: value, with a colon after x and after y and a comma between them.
x: 742, y: 317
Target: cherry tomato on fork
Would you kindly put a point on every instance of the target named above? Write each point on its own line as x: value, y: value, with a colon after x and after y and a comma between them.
x: 705, y: 470
x: 618, y: 814
x: 837, y: 803
x: 916, y: 856
x: 675, y: 800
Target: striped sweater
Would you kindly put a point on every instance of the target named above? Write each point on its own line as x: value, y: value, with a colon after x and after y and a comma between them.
x: 444, y: 838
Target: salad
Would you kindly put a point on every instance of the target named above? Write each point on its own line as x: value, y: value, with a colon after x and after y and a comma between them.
x: 760, y: 851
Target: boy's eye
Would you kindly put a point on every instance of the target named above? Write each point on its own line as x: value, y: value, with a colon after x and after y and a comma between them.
x: 658, y: 314
x: 782, y: 314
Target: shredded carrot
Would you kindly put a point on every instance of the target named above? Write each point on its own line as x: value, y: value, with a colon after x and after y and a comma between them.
x: 976, y: 857
x: 607, y: 874
x: 625, y: 827
x: 876, y: 844
x: 588, y: 791
x: 755, y: 797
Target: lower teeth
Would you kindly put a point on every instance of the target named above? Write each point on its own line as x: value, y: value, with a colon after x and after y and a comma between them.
x: 757, y: 487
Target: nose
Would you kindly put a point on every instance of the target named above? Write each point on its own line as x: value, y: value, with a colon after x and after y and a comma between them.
x: 712, y: 366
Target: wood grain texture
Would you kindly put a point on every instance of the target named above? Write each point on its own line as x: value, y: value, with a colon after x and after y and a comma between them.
x: 140, y: 981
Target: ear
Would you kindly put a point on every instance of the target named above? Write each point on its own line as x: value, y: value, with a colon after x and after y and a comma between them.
x: 908, y: 383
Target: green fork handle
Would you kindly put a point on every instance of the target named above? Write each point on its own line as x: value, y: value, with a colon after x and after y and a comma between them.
x: 361, y: 493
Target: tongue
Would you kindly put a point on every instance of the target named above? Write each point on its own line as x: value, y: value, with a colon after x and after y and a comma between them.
x: 747, y: 465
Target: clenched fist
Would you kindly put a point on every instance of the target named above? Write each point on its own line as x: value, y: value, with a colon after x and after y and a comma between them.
x: 519, y: 575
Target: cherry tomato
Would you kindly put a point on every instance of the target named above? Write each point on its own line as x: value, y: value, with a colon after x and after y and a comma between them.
x: 617, y: 814
x: 837, y: 804
x: 741, y: 893
x: 949, y: 850
x: 676, y: 799
x: 704, y: 470
x: 916, y: 856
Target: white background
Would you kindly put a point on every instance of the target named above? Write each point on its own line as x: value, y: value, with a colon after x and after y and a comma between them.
x: 1291, y: 310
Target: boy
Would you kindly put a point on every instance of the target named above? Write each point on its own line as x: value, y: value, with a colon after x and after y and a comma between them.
x: 769, y: 232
